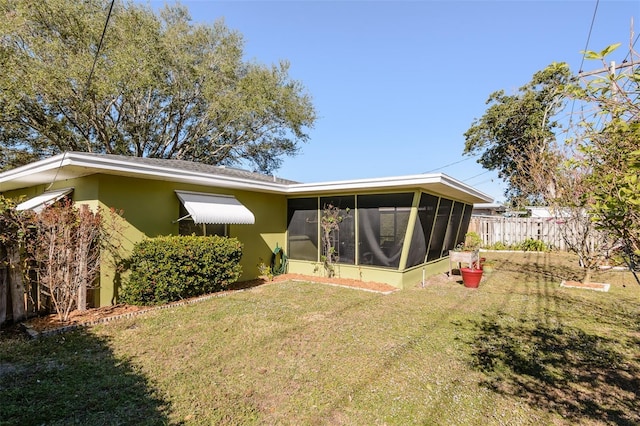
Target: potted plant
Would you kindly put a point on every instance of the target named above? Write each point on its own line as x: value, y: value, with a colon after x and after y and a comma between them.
x: 488, y: 265
x: 471, y: 277
x: 466, y: 252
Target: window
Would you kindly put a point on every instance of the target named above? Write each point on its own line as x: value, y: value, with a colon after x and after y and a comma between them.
x: 452, y: 228
x: 464, y: 225
x: 422, y: 229
x: 382, y: 226
x: 187, y: 226
x: 439, y: 229
x: 302, y: 228
x: 344, y: 239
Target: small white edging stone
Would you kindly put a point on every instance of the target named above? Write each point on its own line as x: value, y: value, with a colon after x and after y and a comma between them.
x: 586, y: 286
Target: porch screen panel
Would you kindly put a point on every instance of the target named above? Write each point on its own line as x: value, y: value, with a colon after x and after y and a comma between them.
x: 439, y: 229
x: 302, y: 228
x: 422, y: 229
x: 382, y: 225
x: 464, y: 225
x: 344, y: 239
x: 452, y: 228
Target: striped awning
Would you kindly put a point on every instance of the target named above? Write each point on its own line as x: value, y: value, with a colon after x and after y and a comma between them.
x: 215, y: 209
x: 38, y: 203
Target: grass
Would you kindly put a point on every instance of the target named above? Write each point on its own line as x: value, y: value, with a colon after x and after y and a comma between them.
x: 520, y: 350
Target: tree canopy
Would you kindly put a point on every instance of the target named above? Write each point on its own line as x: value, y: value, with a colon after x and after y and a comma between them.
x: 592, y: 176
x: 609, y: 136
x: 520, y: 128
x: 161, y: 87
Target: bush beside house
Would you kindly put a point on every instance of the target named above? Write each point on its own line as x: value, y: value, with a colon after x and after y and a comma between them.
x: 166, y: 269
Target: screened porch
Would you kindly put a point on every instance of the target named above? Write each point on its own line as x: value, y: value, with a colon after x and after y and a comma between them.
x: 391, y: 231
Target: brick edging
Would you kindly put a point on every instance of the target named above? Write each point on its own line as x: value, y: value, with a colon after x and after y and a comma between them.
x: 33, y: 334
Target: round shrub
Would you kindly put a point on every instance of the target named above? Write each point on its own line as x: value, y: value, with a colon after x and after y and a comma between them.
x: 166, y: 269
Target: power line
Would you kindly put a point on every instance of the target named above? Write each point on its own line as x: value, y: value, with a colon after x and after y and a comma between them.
x: 584, y: 54
x: 586, y: 46
x: 95, y: 58
x: 450, y: 164
x: 478, y: 175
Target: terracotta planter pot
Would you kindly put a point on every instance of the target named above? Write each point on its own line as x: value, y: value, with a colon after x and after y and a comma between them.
x: 471, y: 277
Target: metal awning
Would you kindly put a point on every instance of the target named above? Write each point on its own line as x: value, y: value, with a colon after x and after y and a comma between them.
x: 38, y: 203
x: 215, y: 209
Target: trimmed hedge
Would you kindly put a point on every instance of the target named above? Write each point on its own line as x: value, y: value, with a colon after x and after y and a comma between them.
x: 166, y: 269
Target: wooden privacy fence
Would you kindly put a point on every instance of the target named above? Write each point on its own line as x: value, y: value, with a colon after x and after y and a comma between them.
x: 514, y: 230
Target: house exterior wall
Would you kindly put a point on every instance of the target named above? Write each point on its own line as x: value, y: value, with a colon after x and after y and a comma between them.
x: 149, y: 209
x: 400, y: 279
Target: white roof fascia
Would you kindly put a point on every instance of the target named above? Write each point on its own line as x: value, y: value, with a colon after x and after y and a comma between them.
x: 409, y: 181
x: 45, y: 165
x: 175, y: 174
x: 97, y: 163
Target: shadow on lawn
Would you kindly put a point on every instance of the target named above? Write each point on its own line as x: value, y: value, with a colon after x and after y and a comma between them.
x: 541, y: 269
x: 73, y: 379
x: 561, y: 369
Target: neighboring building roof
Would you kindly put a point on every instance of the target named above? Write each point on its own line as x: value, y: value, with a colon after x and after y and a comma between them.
x: 72, y: 165
x: 537, y: 211
x: 488, y: 209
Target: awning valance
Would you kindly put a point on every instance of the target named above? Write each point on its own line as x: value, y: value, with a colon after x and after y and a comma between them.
x: 215, y: 209
x: 38, y: 203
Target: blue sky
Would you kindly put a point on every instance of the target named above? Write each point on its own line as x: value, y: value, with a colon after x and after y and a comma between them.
x: 397, y: 83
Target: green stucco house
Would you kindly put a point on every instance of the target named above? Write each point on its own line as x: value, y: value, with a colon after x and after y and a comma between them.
x: 397, y: 229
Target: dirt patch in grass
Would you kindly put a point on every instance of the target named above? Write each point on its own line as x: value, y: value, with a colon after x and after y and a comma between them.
x: 345, y: 282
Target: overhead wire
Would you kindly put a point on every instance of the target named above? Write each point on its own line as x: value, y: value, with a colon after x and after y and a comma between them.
x: 451, y: 164
x: 478, y: 175
x: 95, y: 57
x: 584, y: 54
x: 586, y: 46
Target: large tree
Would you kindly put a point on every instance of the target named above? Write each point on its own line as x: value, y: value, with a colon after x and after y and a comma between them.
x: 591, y: 177
x: 517, y: 137
x: 144, y: 84
x: 520, y: 128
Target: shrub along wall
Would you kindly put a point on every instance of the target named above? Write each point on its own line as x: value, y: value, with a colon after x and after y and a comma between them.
x: 166, y: 269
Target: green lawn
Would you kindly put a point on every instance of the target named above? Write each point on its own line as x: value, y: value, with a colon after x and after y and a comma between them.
x: 518, y: 350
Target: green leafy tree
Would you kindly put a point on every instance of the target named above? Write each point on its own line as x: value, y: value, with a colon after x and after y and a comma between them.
x: 519, y: 129
x: 592, y: 179
x: 518, y: 137
x: 609, y: 136
x: 156, y: 85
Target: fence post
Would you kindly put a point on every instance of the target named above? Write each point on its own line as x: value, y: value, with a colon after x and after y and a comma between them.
x: 16, y: 283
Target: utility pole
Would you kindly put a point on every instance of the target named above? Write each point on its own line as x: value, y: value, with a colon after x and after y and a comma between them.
x: 611, y: 69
